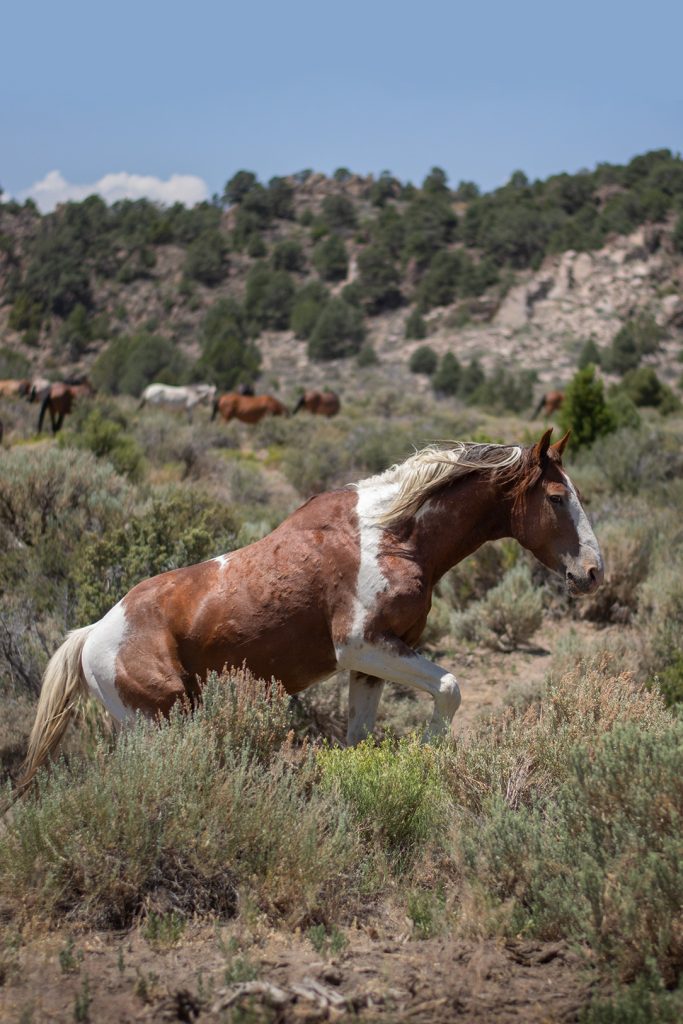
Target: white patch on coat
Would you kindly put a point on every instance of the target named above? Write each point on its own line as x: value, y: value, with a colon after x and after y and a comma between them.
x: 587, y: 540
x: 371, y: 582
x: 221, y: 559
x: 100, y: 653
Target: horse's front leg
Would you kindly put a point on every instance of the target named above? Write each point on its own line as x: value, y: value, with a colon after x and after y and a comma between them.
x: 365, y: 693
x: 392, y: 659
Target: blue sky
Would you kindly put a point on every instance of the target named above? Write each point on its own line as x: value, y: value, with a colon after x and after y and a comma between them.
x: 199, y: 90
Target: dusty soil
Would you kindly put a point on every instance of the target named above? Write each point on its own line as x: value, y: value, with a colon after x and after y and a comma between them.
x: 112, y: 978
x: 243, y: 972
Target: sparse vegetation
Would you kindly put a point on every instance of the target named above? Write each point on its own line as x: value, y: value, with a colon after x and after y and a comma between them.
x: 554, y: 820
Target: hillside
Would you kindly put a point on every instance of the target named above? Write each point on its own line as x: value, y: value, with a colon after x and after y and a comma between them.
x: 306, y: 278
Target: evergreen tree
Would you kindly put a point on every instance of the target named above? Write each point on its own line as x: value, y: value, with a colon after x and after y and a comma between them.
x: 584, y: 410
x: 446, y: 380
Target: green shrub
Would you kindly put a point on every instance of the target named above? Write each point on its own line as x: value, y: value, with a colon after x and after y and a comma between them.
x: 379, y: 279
x: 502, y: 390
x: 330, y: 259
x: 367, y: 356
x: 584, y: 410
x: 175, y: 529
x: 636, y: 1004
x: 107, y: 439
x: 590, y: 353
x: 598, y: 862
x: 316, y: 465
x: 424, y: 360
x: 27, y: 314
x: 13, y: 365
x: 507, y: 617
x: 205, y: 258
x: 416, y: 326
x: 631, y: 461
x: 394, y: 792
x: 627, y: 550
x: 644, y: 388
x: 228, y: 356
x: 639, y: 337
x: 171, y: 808
x: 446, y: 380
x: 75, y: 333
x: 430, y: 225
x: 338, y: 212
x: 307, y: 307
x: 288, y: 255
x: 269, y: 297
x: 439, y: 285
x: 131, y: 362
x: 241, y: 183
x: 338, y: 331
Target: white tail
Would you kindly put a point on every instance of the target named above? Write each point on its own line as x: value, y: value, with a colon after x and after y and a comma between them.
x: 62, y: 684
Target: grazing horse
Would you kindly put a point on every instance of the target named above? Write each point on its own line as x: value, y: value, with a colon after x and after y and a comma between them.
x: 185, y: 397
x: 58, y: 401
x: 247, y: 408
x: 550, y: 402
x: 320, y: 403
x: 344, y: 583
x: 14, y: 388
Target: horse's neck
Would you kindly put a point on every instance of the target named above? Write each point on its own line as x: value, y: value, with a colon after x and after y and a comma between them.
x: 456, y: 522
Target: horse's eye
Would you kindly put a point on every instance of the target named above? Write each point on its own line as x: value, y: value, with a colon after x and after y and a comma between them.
x: 556, y: 499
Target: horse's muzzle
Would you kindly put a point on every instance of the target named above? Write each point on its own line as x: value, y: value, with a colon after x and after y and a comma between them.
x: 581, y: 583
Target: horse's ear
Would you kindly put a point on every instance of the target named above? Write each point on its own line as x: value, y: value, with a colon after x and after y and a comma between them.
x: 541, y: 448
x: 560, y: 445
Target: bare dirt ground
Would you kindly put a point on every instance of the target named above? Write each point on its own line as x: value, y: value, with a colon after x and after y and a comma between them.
x: 244, y: 972
x: 112, y: 978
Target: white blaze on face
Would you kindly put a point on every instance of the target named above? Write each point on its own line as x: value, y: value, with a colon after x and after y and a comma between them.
x: 589, y: 549
x: 372, y: 498
x: 100, y: 652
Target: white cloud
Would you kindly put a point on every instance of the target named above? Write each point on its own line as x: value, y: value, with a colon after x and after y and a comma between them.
x: 179, y: 188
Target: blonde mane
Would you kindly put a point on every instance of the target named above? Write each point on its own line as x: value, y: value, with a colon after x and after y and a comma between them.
x: 421, y: 475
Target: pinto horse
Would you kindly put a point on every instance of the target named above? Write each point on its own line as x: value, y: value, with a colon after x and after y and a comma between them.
x: 247, y: 408
x: 344, y: 583
x: 320, y: 403
x: 550, y: 402
x: 58, y: 401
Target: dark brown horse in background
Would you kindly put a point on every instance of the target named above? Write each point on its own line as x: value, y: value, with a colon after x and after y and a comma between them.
x: 247, y: 408
x: 320, y: 403
x: 59, y: 400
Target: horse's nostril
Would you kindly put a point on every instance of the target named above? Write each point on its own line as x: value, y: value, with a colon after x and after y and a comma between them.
x: 593, y: 575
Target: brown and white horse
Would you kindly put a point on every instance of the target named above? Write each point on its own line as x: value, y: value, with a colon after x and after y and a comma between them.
x: 247, y: 408
x: 344, y: 583
x: 320, y: 403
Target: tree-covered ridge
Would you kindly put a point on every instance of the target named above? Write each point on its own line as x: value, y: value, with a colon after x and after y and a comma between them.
x: 317, y: 255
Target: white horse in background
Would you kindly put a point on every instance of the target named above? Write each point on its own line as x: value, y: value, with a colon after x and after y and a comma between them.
x: 185, y: 397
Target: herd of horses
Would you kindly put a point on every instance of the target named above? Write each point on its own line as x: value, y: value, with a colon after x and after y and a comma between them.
x: 57, y: 400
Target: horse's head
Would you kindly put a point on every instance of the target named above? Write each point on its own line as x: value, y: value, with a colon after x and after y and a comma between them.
x: 549, y: 519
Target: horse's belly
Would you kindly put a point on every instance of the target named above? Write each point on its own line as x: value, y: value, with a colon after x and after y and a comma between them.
x: 294, y: 647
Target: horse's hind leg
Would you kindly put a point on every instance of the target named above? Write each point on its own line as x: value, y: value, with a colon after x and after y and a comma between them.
x: 364, y: 696
x: 144, y: 677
